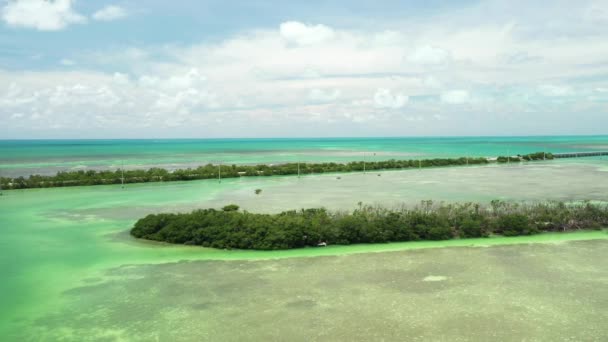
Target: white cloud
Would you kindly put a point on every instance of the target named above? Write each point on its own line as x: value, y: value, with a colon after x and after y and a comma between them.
x: 432, y: 82
x: 99, y: 100
x: 43, y: 15
x: 384, y: 98
x: 300, y: 73
x: 555, y: 90
x: 109, y: 13
x: 302, y: 34
x: 456, y: 96
x: 192, y: 78
x: 323, y: 95
x: 429, y: 55
x: 597, y: 12
x: 120, y: 78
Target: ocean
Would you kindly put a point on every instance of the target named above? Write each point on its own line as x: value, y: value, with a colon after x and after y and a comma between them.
x: 25, y: 157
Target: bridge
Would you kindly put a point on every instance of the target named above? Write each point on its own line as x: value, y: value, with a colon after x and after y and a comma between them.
x: 580, y: 154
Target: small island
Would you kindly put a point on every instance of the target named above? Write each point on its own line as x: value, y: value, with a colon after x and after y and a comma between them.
x: 231, y: 228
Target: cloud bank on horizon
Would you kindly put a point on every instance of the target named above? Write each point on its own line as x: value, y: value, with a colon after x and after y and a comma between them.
x: 109, y: 69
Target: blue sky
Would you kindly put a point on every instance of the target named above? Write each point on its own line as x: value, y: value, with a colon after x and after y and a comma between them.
x: 120, y: 69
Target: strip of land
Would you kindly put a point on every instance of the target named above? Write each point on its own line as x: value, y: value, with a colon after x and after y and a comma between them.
x: 211, y: 171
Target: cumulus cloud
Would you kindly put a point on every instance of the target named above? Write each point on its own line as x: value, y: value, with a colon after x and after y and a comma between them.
x: 43, y: 15
x: 101, y: 100
x: 121, y: 79
x: 302, y: 34
x: 555, y: 90
x: 191, y: 79
x: 520, y: 57
x: 455, y: 96
x: 429, y: 55
x: 323, y: 95
x: 109, y: 13
x: 384, y: 98
x: 301, y: 73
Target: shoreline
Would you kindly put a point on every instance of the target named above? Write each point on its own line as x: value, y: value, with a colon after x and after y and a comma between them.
x: 220, y: 171
x: 229, y: 228
x: 214, y: 254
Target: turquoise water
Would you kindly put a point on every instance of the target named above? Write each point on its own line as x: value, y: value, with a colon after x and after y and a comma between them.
x: 25, y: 157
x: 71, y: 272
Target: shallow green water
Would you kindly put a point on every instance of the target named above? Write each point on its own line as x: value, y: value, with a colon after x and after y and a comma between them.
x: 70, y: 269
x: 537, y: 292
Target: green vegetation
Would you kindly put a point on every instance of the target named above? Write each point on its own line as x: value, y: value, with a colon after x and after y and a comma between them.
x: 526, y: 157
x: 230, y: 228
x: 230, y: 207
x: 209, y: 171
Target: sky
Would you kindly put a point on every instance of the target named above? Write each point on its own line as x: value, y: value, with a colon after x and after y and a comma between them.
x: 213, y: 69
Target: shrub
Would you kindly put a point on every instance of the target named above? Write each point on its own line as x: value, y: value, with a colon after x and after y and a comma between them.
x: 515, y: 224
x: 231, y: 207
x: 440, y: 233
x: 473, y: 228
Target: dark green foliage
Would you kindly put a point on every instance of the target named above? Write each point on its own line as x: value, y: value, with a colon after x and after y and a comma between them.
x: 509, y: 159
x: 230, y: 228
x: 514, y: 224
x: 473, y: 228
x: 91, y: 177
x: 526, y: 157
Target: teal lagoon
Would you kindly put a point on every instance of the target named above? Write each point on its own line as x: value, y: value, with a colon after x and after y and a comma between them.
x: 25, y: 157
x: 72, y: 272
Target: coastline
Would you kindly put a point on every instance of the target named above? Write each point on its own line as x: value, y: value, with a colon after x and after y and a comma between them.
x: 340, y: 250
x: 221, y: 171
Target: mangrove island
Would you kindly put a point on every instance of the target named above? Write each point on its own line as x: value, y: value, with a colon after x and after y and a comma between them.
x: 232, y: 228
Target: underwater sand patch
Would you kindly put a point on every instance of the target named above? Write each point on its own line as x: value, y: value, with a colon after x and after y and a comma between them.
x: 435, y: 278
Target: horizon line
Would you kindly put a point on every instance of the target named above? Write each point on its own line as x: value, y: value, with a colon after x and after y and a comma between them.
x: 318, y: 137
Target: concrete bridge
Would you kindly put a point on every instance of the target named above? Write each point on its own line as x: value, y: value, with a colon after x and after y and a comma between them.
x: 580, y: 154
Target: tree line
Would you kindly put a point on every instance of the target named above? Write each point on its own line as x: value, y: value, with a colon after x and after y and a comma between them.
x: 525, y: 157
x: 231, y: 228
x: 210, y: 171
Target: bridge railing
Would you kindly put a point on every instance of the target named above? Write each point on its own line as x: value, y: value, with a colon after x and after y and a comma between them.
x: 580, y: 154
